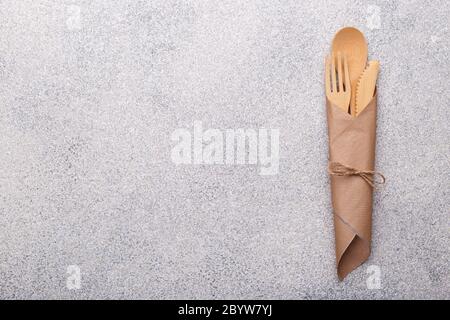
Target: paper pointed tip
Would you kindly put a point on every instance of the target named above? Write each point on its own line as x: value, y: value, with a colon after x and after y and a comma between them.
x: 341, y: 277
x: 356, y: 253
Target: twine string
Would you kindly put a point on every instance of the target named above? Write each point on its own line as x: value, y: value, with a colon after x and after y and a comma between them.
x: 339, y: 169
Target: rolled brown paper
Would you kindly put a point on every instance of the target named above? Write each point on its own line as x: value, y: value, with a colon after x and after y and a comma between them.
x: 352, y: 142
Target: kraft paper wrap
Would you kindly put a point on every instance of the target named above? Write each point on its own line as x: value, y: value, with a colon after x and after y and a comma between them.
x: 352, y: 143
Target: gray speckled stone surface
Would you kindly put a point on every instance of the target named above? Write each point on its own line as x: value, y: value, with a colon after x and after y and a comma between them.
x: 91, y: 91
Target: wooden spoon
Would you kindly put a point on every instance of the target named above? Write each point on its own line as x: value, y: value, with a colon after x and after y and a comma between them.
x: 351, y: 42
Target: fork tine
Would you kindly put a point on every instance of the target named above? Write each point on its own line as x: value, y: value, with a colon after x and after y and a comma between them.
x: 340, y: 73
x: 333, y: 72
x: 327, y: 75
x: 346, y: 74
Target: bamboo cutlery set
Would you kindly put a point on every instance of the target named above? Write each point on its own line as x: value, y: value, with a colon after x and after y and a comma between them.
x: 350, y: 87
x: 350, y: 81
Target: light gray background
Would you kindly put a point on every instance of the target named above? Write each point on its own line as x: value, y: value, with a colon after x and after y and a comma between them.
x: 88, y: 106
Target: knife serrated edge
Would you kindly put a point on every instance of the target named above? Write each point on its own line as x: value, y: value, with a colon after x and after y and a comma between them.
x: 365, y: 87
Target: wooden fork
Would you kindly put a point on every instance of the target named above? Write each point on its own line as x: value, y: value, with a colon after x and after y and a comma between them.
x: 337, y: 81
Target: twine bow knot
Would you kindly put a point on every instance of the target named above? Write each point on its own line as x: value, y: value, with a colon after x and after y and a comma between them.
x: 338, y: 169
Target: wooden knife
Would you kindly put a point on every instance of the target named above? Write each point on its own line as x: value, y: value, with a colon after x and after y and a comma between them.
x: 365, y: 88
